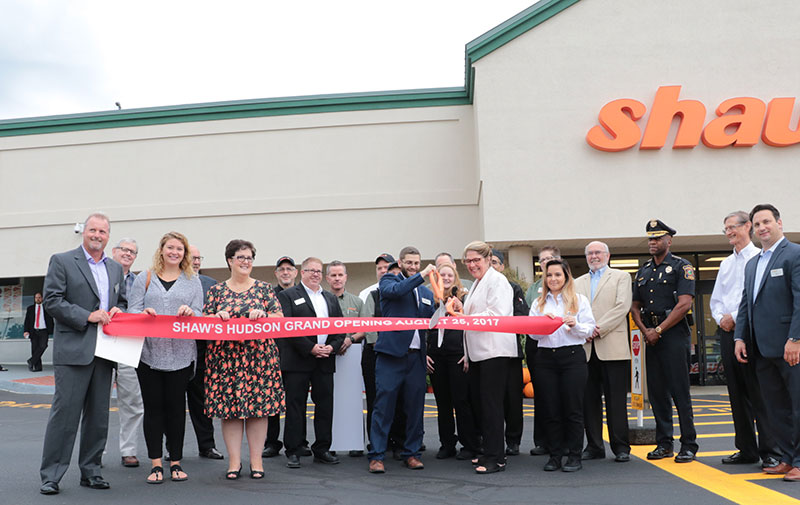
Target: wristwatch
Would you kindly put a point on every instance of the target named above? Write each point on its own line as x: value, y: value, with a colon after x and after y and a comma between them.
x: 658, y: 330
x: 352, y: 340
x: 795, y: 340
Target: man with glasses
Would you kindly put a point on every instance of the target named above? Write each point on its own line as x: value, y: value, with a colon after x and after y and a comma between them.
x: 309, y: 361
x: 400, y: 361
x: 129, y: 396
x: 546, y: 254
x: 742, y: 382
x: 607, y: 353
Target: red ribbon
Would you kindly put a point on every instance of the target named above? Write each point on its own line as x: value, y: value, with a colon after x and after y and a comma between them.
x: 213, y: 328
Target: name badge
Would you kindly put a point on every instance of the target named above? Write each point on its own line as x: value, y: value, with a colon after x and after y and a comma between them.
x: 425, y: 301
x: 776, y: 272
x: 300, y: 301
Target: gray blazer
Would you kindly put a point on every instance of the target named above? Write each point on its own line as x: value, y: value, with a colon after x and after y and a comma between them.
x: 774, y: 317
x: 70, y: 295
x: 167, y: 354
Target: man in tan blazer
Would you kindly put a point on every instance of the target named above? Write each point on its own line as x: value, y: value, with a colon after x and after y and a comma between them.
x: 608, y: 354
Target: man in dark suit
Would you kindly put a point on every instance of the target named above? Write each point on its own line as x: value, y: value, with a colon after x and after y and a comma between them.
x: 400, y: 364
x: 768, y: 332
x: 82, y: 288
x: 38, y: 328
x: 196, y: 391
x: 309, y: 361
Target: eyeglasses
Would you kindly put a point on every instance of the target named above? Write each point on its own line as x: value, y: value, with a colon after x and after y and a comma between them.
x: 312, y: 272
x: 473, y: 261
x: 244, y: 259
x: 198, y: 258
x: 287, y: 269
x: 128, y: 251
x: 732, y: 227
x: 595, y: 253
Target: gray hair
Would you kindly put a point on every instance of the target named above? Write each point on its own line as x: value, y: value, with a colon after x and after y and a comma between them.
x: 129, y: 241
x: 98, y: 215
x: 742, y: 217
x: 605, y: 246
x: 335, y: 263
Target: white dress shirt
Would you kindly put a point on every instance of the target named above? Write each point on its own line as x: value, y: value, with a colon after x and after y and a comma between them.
x: 565, y: 335
x: 728, y: 288
x: 320, y: 307
x: 366, y: 291
x: 761, y: 267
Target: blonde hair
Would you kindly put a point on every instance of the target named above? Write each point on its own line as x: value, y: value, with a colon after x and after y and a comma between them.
x: 186, y: 262
x: 568, y: 294
x: 479, y: 247
x: 460, y: 291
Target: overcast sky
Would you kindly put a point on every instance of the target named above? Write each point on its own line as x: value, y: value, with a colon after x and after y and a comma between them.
x: 62, y: 57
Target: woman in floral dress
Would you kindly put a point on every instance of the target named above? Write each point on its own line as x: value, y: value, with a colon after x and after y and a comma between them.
x: 243, y: 378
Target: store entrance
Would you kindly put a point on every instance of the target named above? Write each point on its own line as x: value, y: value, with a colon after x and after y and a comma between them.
x: 706, y: 367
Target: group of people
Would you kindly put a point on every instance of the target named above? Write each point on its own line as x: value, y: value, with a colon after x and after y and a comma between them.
x: 476, y: 375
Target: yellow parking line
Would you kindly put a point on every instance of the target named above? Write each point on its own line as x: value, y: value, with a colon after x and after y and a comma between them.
x: 720, y: 483
x: 713, y: 423
x: 715, y: 454
x: 756, y: 476
x: 715, y: 435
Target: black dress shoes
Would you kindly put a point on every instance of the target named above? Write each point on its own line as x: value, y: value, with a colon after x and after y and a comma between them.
x: 95, y: 482
x: 446, y: 452
x: 30, y: 365
x: 355, y: 454
x: 512, y: 450
x: 770, y: 462
x: 49, y: 488
x: 587, y: 455
x: 553, y: 464
x: 304, y: 451
x: 538, y: 451
x: 737, y: 458
x: 573, y: 464
x: 211, y: 453
x: 327, y: 458
x: 660, y: 453
x: 622, y: 457
x: 465, y: 454
x: 270, y: 451
x: 685, y: 456
x: 293, y: 461
x: 4, y: 369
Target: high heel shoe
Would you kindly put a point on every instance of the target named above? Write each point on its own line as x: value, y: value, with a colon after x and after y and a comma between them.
x: 233, y: 474
x: 256, y: 474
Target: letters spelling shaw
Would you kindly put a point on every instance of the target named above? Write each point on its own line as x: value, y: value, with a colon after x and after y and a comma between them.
x: 740, y: 122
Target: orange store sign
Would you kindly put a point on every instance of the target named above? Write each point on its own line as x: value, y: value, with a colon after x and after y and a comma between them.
x: 740, y: 123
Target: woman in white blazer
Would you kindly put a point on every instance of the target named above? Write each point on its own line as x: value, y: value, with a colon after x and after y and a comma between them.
x: 561, y: 366
x: 489, y: 352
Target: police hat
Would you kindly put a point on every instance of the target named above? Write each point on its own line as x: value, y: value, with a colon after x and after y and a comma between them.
x: 284, y: 259
x: 385, y: 257
x: 657, y: 229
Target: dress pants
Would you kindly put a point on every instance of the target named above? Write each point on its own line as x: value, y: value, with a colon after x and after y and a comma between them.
x: 780, y: 387
x: 531, y: 347
x: 489, y: 377
x: 512, y: 404
x: 451, y: 390
x: 81, y: 397
x: 561, y: 387
x: 196, y: 398
x: 395, y: 376
x: 164, y: 397
x: 746, y: 404
x: 38, y: 346
x: 397, y: 433
x: 607, y: 380
x: 131, y: 409
x: 668, y: 378
x: 296, y: 386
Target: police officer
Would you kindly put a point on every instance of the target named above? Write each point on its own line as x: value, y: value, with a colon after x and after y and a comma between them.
x: 662, y: 296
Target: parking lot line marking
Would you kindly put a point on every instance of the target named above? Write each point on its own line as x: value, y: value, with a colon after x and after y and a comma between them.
x: 715, y: 435
x: 633, y: 418
x: 720, y: 483
x: 756, y: 476
x: 715, y: 454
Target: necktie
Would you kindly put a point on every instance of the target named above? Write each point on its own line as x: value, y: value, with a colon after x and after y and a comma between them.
x: 38, y: 313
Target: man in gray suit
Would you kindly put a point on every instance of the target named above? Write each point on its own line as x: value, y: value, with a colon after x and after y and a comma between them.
x: 83, y: 288
x: 768, y: 333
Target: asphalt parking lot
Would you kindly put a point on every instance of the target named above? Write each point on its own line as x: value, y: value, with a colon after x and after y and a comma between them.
x: 24, y: 407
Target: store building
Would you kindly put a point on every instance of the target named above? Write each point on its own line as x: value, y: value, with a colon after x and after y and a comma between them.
x: 520, y: 156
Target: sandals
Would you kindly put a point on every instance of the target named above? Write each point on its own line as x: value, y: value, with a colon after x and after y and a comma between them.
x: 256, y: 474
x: 497, y: 467
x: 159, y: 473
x: 233, y: 474
x: 176, y: 468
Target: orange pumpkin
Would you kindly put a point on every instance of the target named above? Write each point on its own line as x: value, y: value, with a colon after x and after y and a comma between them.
x: 528, y: 390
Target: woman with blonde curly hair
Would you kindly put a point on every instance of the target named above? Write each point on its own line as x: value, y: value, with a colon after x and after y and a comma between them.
x: 170, y: 287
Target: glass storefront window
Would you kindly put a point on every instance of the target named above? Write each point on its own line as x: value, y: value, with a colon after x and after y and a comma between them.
x: 16, y: 294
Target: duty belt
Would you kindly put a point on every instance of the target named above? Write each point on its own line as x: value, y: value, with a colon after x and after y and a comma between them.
x: 653, y: 318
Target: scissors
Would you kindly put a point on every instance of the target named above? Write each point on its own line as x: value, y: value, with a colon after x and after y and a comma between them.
x: 437, y: 285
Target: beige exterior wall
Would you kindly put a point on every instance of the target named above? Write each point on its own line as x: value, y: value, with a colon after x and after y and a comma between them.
x: 537, y: 96
x: 345, y: 186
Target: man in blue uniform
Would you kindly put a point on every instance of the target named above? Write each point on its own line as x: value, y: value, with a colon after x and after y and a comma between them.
x: 662, y: 296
